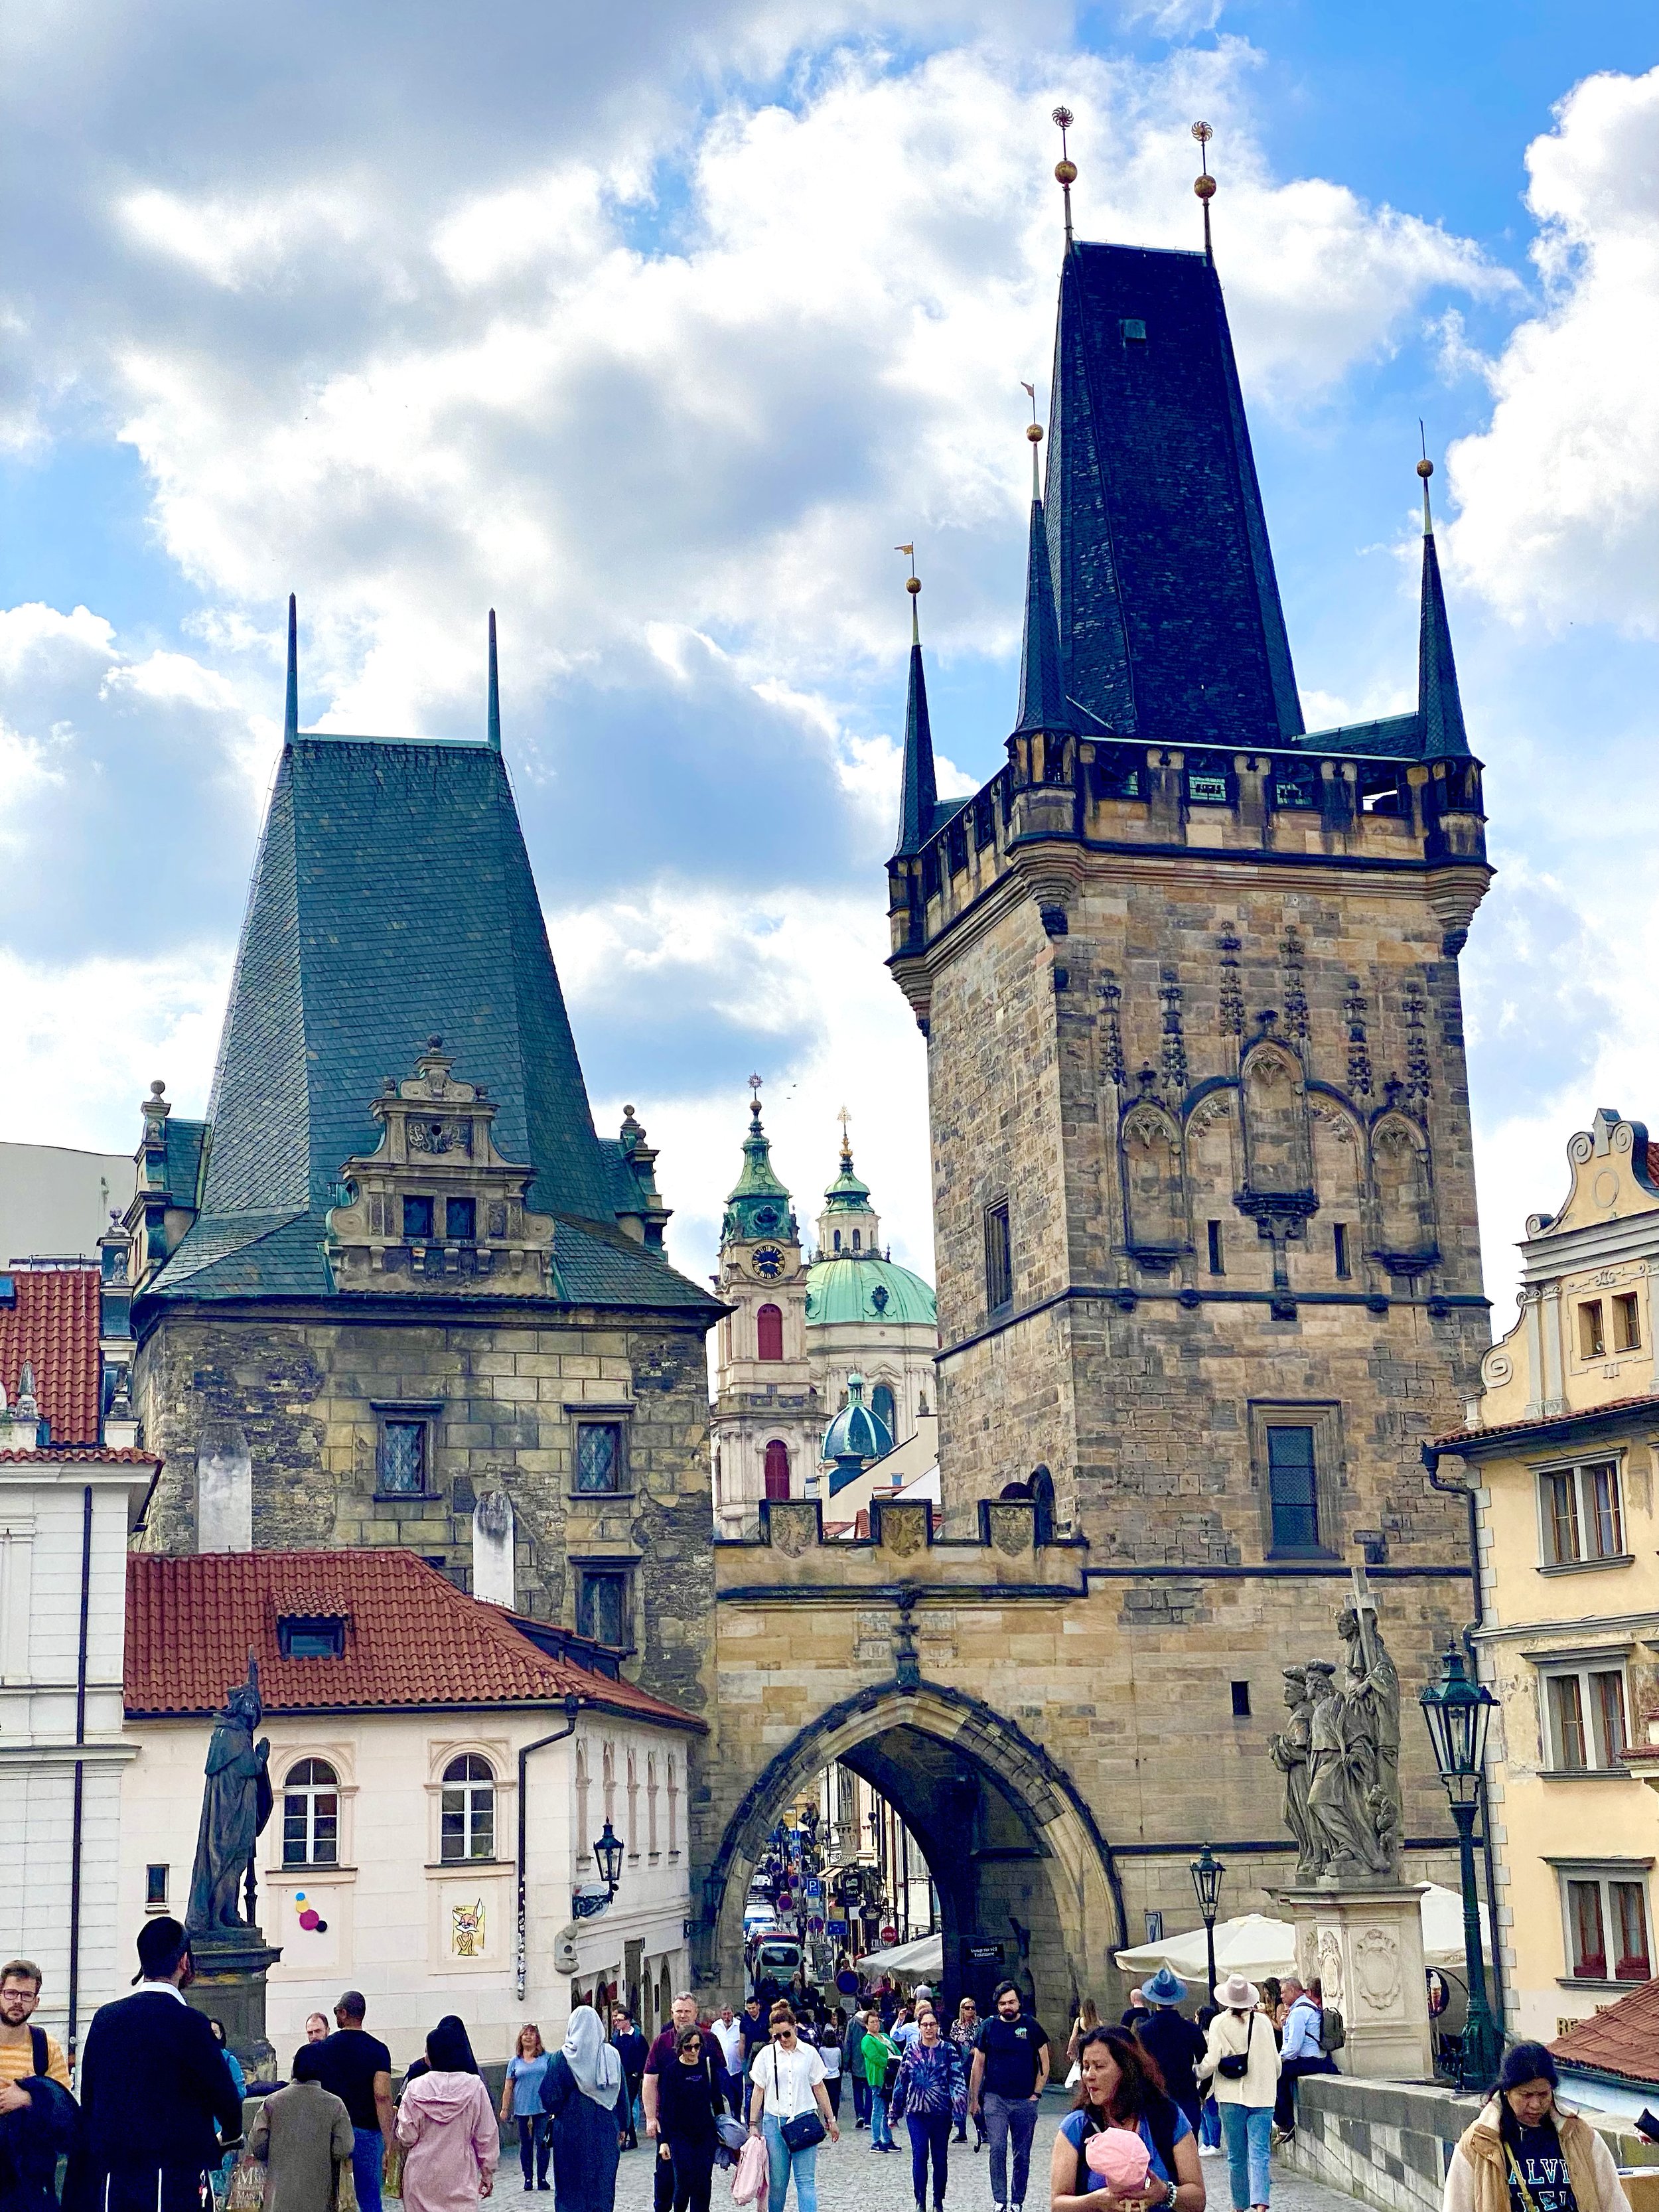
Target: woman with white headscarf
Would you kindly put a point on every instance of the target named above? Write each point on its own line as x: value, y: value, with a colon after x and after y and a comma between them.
x: 583, y: 2098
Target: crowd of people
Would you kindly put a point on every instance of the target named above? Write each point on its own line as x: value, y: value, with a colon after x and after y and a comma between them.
x: 155, y: 2120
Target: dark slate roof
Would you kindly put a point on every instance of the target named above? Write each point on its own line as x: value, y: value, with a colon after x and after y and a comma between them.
x: 919, y: 792
x: 1041, y: 681
x: 1170, y: 627
x: 184, y: 1141
x: 1440, y: 705
x: 393, y: 901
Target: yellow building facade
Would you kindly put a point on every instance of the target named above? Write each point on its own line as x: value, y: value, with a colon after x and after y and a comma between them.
x: 1559, y: 1456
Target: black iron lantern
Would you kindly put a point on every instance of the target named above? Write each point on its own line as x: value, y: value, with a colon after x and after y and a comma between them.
x: 608, y: 1852
x: 1206, y: 1871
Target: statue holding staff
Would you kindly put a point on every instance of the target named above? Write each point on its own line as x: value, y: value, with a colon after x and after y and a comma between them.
x: 236, y: 1804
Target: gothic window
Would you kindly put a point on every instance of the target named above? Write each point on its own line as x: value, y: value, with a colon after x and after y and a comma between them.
x: 768, y: 1333
x: 461, y: 1220
x: 1293, y: 1488
x: 651, y: 1803
x: 310, y: 1814
x: 468, y: 1821
x: 1218, y: 1265
x: 402, y: 1471
x: 1339, y: 1250
x: 998, y: 1259
x: 881, y: 1405
x: 1277, y: 1160
x: 777, y: 1469
x: 598, y: 1456
x: 602, y: 1607
x: 417, y: 1220
x: 1152, y: 1182
x: 1399, y: 1176
x: 633, y: 1806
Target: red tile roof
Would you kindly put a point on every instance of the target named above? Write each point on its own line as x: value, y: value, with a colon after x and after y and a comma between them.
x: 412, y: 1639
x: 1460, y: 1438
x: 51, y: 1321
x: 1621, y: 2038
x: 82, y: 1456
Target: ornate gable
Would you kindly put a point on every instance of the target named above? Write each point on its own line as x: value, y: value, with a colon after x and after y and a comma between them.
x: 436, y: 1206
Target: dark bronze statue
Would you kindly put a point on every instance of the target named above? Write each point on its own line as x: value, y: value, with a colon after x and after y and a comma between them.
x: 235, y: 1806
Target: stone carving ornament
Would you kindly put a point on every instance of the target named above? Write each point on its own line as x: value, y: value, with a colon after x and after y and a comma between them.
x: 1340, y: 1755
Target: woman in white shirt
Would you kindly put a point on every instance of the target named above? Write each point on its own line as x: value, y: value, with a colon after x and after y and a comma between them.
x: 1241, y: 2064
x: 787, y: 2082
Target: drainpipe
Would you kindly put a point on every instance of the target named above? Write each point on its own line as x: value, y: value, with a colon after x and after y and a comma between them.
x: 71, y: 2033
x: 1465, y: 1490
x: 521, y: 1960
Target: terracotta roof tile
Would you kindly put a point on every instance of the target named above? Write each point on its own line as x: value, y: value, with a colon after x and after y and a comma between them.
x: 1621, y: 2038
x: 411, y: 1638
x: 83, y: 1455
x: 1459, y: 1437
x: 52, y: 1320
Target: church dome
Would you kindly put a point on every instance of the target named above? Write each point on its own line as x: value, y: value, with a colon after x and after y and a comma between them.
x: 856, y: 1433
x: 860, y: 1286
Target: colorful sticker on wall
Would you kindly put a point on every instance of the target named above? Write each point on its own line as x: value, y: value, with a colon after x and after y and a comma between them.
x: 466, y: 1931
x: 309, y: 1915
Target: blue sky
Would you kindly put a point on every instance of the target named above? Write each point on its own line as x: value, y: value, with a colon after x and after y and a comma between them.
x: 657, y: 327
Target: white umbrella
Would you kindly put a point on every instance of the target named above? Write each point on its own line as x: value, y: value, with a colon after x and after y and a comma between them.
x: 922, y: 1955
x: 1256, y: 1944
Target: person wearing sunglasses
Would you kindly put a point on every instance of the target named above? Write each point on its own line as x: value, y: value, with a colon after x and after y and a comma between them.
x: 789, y: 2110
x: 688, y: 2103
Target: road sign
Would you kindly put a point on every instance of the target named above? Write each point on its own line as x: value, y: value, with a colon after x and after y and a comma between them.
x: 836, y: 1926
x: 847, y: 1981
x: 889, y: 1934
x: 815, y: 1927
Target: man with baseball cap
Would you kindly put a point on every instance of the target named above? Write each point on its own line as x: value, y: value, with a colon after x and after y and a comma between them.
x: 158, y: 2106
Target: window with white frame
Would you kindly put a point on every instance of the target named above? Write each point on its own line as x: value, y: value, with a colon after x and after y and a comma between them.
x: 1581, y: 1514
x: 310, y: 1814
x: 1606, y: 1912
x: 1585, y: 1713
x: 468, y: 1827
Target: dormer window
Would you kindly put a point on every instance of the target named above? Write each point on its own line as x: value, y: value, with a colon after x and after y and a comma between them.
x: 310, y: 1636
x: 417, y: 1220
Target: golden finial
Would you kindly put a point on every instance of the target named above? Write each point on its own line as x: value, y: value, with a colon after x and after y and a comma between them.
x: 844, y: 1118
x: 913, y: 585
x: 1034, y: 432
x: 1065, y: 168
x: 1426, y: 470
x: 1203, y: 183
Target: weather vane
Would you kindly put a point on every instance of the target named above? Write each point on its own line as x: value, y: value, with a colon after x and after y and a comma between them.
x: 913, y: 585
x: 755, y: 1091
x: 1066, y: 167
x: 1203, y: 183
x: 844, y: 1118
x: 1034, y: 432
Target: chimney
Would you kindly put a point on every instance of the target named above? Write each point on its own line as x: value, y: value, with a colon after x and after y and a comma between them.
x: 492, y: 1549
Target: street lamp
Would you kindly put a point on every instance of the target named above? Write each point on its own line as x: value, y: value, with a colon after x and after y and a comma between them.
x: 608, y: 1856
x: 1459, y: 1712
x: 1206, y: 1873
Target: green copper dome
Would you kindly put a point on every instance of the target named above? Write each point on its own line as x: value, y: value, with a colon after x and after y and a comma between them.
x: 859, y: 1287
x: 759, y: 1204
x: 855, y: 1436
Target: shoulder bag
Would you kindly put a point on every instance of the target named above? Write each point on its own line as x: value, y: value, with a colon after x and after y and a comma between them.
x: 1234, y: 2065
x: 801, y: 2129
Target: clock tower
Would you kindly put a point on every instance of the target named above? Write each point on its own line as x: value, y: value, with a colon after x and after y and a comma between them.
x: 767, y: 1416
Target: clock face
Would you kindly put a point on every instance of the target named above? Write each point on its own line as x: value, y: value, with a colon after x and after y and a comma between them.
x: 769, y: 1261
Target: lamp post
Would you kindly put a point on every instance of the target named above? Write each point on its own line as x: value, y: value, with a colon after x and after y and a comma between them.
x: 1206, y: 1873
x: 1458, y: 1713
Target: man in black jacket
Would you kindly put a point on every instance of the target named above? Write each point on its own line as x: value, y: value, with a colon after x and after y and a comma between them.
x: 158, y: 2104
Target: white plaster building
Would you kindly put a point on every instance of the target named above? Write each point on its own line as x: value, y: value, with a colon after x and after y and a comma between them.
x: 401, y: 1716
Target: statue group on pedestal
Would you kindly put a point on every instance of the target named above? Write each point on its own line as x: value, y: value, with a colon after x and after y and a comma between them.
x: 1340, y: 1755
x: 236, y: 1802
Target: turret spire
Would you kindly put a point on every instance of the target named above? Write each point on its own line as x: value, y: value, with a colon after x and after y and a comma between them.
x: 1204, y: 183
x: 919, y: 790
x: 1438, y: 701
x: 291, y: 708
x: 1042, y: 683
x: 494, y: 722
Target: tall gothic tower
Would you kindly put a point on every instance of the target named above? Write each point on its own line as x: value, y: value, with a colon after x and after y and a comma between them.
x: 1203, y: 1195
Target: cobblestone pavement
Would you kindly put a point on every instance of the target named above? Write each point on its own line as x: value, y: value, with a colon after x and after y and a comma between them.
x: 852, y: 2177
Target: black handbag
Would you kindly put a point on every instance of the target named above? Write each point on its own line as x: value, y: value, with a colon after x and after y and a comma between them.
x: 804, y: 2128
x: 1234, y: 2065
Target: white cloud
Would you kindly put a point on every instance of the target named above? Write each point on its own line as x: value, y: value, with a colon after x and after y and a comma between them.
x: 1560, y: 495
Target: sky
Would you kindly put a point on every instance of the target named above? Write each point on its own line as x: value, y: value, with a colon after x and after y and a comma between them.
x: 656, y: 327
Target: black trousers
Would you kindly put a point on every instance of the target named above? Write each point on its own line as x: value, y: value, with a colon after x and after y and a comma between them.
x: 692, y: 2167
x: 1294, y: 2069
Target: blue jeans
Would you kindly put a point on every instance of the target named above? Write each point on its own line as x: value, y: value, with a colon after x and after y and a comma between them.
x: 368, y: 2150
x: 860, y: 2099
x: 881, y: 2136
x: 781, y: 2162
x: 1209, y: 2125
x: 929, y: 2132
x: 1247, y: 2132
x: 1006, y: 2119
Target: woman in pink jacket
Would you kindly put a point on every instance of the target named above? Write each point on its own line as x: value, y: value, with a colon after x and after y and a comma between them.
x: 447, y: 2126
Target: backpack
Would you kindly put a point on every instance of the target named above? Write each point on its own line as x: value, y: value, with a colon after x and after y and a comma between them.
x: 39, y: 2052
x: 1332, y: 2030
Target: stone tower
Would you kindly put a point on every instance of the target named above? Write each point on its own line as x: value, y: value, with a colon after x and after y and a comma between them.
x: 1203, y: 1195
x: 768, y: 1415
x: 395, y: 1281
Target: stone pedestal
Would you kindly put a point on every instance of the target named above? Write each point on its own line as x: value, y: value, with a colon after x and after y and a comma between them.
x: 1365, y: 1945
x: 231, y: 1966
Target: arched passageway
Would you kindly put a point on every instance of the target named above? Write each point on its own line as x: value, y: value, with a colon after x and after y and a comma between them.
x: 1026, y: 1880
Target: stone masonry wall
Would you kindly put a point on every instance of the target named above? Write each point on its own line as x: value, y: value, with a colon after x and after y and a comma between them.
x: 510, y: 1386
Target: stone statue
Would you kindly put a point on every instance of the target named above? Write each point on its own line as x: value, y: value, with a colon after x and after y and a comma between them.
x: 1341, y: 1755
x: 235, y: 1806
x: 1289, y: 1753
